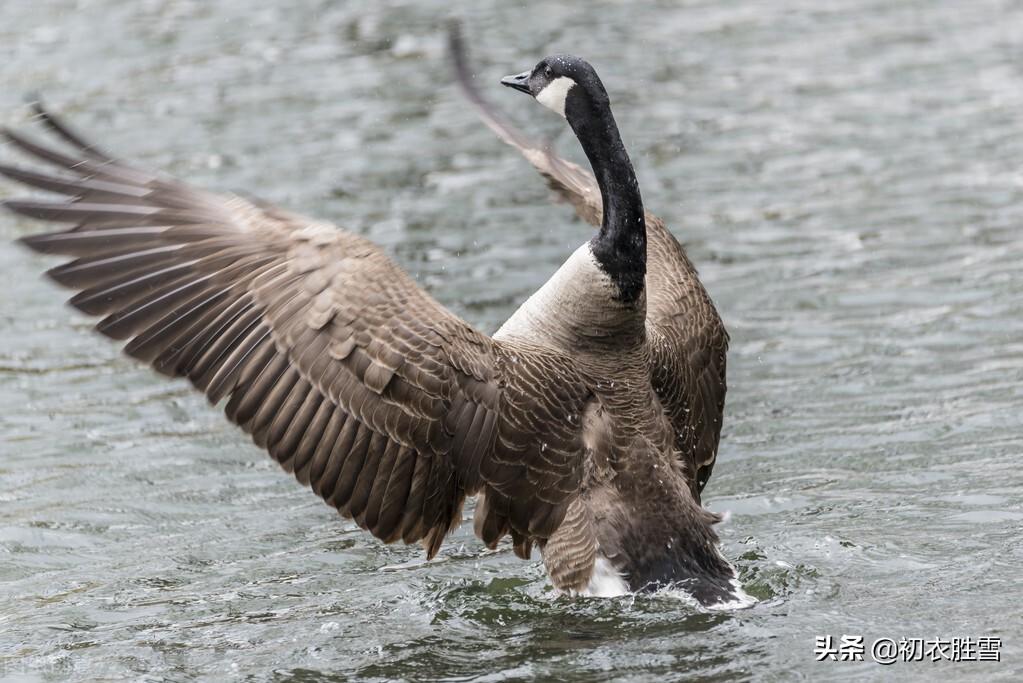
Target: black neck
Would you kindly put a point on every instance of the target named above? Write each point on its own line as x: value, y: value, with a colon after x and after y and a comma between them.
x: 620, y: 245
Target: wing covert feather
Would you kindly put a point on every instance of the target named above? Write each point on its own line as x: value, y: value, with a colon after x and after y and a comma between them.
x: 387, y: 405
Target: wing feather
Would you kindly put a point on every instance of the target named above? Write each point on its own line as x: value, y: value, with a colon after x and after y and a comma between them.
x: 387, y: 405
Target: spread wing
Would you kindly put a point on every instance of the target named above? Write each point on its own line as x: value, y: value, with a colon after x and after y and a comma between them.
x: 389, y: 406
x: 688, y: 340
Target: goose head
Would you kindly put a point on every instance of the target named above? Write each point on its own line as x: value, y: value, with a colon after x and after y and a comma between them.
x: 570, y: 86
x: 565, y: 84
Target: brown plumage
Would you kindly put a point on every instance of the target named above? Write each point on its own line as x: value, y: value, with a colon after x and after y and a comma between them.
x: 587, y: 425
x: 687, y: 339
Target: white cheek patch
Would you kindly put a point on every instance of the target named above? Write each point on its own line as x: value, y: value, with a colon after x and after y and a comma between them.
x: 554, y: 95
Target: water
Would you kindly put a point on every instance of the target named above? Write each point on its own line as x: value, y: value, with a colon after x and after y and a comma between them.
x: 848, y: 177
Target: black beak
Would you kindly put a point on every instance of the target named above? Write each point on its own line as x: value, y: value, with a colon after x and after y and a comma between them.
x: 519, y: 82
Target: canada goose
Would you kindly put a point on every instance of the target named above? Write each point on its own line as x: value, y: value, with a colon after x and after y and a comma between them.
x: 587, y: 425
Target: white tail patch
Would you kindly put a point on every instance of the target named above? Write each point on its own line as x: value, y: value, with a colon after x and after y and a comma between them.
x: 555, y: 93
x: 605, y: 581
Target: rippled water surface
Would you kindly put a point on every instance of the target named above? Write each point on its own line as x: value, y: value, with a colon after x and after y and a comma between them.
x: 848, y: 175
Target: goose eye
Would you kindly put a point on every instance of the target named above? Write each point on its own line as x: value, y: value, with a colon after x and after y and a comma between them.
x: 548, y: 71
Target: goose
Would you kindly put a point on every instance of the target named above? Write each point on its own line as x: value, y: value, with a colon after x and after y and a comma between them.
x: 586, y: 426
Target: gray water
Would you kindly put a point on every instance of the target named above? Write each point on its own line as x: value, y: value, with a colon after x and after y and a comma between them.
x: 848, y: 175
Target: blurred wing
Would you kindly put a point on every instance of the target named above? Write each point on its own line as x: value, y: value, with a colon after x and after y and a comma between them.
x: 570, y: 182
x: 687, y: 336
x: 389, y: 406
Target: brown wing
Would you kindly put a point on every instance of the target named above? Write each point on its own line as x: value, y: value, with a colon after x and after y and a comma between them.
x: 389, y: 406
x: 688, y: 339
x: 689, y: 347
